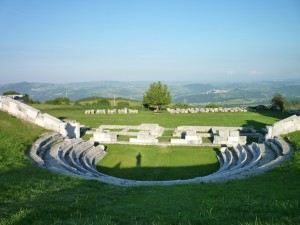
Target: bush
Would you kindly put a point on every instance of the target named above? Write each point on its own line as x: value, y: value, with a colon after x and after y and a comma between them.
x: 58, y: 101
x: 123, y: 104
x: 103, y: 102
x: 214, y: 105
x: 181, y: 105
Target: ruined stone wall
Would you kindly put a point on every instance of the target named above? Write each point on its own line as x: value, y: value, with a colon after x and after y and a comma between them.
x: 284, y: 126
x: 33, y: 115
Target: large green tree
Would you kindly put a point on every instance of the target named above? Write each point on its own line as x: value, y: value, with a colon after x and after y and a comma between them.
x: 157, y: 95
x: 279, y: 101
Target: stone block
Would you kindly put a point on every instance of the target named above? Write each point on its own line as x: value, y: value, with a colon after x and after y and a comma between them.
x: 233, y: 139
x: 105, y: 137
x: 191, y: 133
x: 192, y: 138
x: 32, y: 113
x: 234, y: 133
x: 143, y: 141
x: 178, y: 141
x: 224, y: 133
x: 223, y: 149
x: 13, y: 108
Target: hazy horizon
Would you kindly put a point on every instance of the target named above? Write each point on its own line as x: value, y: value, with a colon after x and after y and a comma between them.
x: 182, y: 41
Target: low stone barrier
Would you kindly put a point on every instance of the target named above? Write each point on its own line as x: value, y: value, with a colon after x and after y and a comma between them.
x: 111, y: 111
x: 208, y: 110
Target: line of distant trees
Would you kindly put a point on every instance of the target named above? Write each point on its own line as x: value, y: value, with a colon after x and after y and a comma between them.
x: 158, y: 96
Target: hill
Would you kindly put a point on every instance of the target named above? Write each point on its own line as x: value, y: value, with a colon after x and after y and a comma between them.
x: 189, y: 93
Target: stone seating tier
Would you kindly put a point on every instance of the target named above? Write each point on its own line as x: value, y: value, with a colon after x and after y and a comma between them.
x: 79, y: 158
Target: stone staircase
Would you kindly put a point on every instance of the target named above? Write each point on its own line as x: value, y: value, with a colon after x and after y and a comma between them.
x: 76, y: 157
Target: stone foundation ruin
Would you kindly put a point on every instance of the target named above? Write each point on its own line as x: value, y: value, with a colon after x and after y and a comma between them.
x: 35, y: 116
x: 284, y: 126
x: 75, y: 157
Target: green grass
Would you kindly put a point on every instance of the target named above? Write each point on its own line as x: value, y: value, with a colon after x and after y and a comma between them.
x: 207, y: 140
x: 125, y: 137
x: 166, y: 136
x: 133, y: 130
x: 32, y: 195
x: 86, y: 137
x: 114, y: 130
x: 158, y: 163
x: 258, y: 120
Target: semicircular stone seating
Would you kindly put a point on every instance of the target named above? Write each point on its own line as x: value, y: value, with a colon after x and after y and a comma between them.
x: 76, y: 157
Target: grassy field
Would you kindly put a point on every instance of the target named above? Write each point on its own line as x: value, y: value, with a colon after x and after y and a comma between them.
x: 32, y: 195
x: 258, y: 120
x: 158, y: 163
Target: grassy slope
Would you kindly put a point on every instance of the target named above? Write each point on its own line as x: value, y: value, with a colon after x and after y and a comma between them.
x: 158, y: 163
x: 258, y: 120
x: 31, y: 195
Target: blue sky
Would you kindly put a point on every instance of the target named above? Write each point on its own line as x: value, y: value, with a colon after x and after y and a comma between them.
x: 168, y: 40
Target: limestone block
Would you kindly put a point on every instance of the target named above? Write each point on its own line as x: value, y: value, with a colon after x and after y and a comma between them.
x: 243, y: 140
x: 289, y: 125
x: 143, y: 141
x: 21, y: 115
x: 145, y: 137
x: 191, y: 133
x: 297, y: 122
x: 233, y: 139
x: 269, y: 133
x: 234, y: 133
x: 178, y: 141
x: 39, y: 120
x: 13, y: 108
x: 192, y: 138
x: 51, y: 122
x: 63, y: 130
x: 223, y: 149
x: 32, y: 113
x: 217, y: 139
x: 224, y: 133
x: 105, y: 137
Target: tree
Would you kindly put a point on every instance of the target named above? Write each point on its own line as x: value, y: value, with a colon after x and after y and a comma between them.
x: 11, y: 93
x: 157, y: 95
x: 279, y: 101
x: 104, y: 102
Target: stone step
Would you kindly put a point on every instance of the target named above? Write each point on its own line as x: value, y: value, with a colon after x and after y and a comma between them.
x: 79, y: 158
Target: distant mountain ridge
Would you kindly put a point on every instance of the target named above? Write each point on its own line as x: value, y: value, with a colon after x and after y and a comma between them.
x: 193, y: 93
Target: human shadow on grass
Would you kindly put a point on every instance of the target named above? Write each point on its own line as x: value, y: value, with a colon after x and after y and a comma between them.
x: 159, y: 173
x: 138, y: 160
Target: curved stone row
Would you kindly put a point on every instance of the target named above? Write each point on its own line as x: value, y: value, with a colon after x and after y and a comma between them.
x: 79, y: 158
